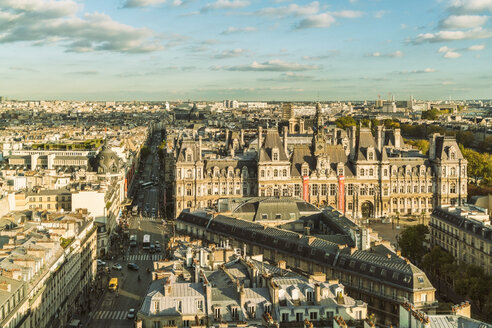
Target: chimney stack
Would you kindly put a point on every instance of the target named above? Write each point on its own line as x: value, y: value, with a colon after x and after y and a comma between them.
x: 260, y: 133
x: 379, y: 137
x: 397, y: 138
x: 285, y: 140
x: 199, y: 148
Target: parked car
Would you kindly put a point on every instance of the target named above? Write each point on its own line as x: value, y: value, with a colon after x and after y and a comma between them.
x: 100, y: 262
x: 152, y: 248
x: 117, y: 266
x: 132, y: 266
x: 158, y: 248
x: 131, y: 314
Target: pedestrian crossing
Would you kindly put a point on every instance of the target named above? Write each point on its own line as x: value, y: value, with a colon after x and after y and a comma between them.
x: 143, y: 257
x: 110, y: 315
x: 147, y: 219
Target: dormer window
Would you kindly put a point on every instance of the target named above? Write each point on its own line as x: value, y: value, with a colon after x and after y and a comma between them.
x: 453, y: 155
x: 371, y: 156
x: 275, y: 154
x: 304, y: 172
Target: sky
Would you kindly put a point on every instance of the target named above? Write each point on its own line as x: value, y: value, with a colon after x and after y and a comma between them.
x: 167, y: 50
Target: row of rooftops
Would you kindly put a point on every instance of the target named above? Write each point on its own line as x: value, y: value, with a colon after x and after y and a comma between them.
x: 473, y: 219
x: 387, y: 266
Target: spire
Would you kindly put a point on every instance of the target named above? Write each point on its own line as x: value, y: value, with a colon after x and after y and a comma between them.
x: 319, y: 119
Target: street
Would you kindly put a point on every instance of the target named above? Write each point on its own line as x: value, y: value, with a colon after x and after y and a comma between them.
x: 111, y: 307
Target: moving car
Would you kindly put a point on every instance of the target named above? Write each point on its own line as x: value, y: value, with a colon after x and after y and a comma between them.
x: 132, y: 266
x: 152, y: 248
x: 117, y: 266
x: 113, y: 284
x: 100, y: 262
x: 131, y: 314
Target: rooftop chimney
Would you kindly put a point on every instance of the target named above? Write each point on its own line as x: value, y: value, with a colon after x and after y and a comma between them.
x: 260, y: 133
x: 285, y: 139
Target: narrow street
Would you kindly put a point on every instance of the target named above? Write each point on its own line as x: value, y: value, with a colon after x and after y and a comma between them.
x: 110, y: 308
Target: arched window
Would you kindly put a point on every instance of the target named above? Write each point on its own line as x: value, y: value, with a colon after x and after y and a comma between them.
x: 262, y: 173
x: 231, y: 174
x: 452, y: 188
x: 453, y: 171
x: 284, y: 172
x: 453, y: 155
x: 362, y: 172
x: 188, y: 174
x: 371, y: 172
x: 275, y: 173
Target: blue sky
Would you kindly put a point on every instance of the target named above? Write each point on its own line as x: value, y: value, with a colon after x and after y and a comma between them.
x: 245, y: 49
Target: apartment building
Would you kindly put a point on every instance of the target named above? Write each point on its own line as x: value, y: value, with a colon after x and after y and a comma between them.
x: 377, y: 276
x: 241, y: 292
x: 465, y: 232
x: 46, y: 268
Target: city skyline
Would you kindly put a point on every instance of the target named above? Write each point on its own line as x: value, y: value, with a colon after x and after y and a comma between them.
x: 264, y: 50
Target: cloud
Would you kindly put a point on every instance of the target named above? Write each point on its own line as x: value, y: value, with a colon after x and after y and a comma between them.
x: 476, y: 47
x: 87, y: 73
x: 379, y: 14
x: 451, y: 55
x: 444, y: 49
x: 290, y: 10
x: 22, y: 69
x: 419, y: 71
x: 231, y: 53
x: 316, y: 21
x: 233, y: 29
x: 443, y: 36
x: 274, y: 65
x: 471, y: 5
x: 225, y: 4
x: 463, y: 21
x: 142, y: 3
x: 395, y: 54
x: 448, y: 83
x: 289, y: 77
x: 347, y: 13
x: 40, y: 22
x: 330, y: 54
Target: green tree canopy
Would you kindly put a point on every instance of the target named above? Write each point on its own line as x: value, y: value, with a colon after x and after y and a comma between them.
x: 345, y: 122
x: 411, y: 242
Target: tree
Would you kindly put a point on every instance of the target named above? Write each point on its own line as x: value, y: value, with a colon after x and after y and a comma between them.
x: 431, y: 114
x: 411, y: 242
x: 438, y: 261
x: 345, y: 122
x: 486, y: 145
x: 144, y: 152
x: 421, y: 144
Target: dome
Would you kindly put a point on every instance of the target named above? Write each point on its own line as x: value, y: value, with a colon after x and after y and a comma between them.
x: 107, y: 161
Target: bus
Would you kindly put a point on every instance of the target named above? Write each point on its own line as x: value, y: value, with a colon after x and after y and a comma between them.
x: 146, y: 185
x: 133, y: 240
x: 146, y: 242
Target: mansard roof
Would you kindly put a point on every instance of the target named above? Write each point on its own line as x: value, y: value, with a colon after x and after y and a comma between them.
x: 378, y: 264
x: 272, y: 140
x: 444, y: 144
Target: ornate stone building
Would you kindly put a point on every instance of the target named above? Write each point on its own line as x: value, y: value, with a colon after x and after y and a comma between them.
x: 361, y: 174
